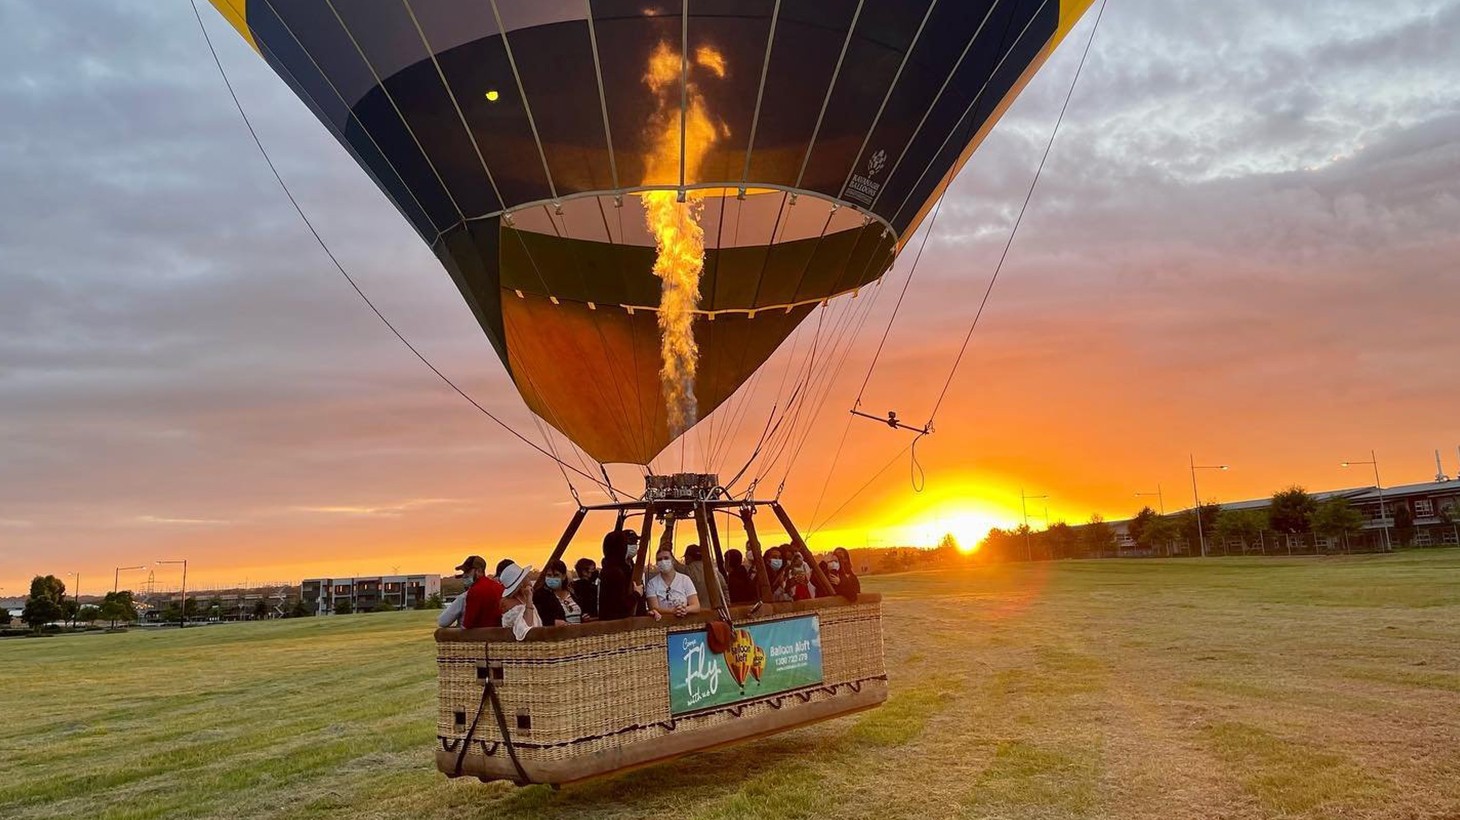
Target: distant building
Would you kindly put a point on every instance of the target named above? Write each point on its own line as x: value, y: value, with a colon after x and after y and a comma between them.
x: 323, y: 595
x: 1433, y: 507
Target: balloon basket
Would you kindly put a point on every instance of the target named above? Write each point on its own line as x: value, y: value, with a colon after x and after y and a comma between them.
x: 575, y: 702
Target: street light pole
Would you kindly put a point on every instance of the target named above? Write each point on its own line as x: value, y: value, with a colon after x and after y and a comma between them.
x: 1160, y: 500
x: 182, y: 620
x: 117, y: 576
x: 1196, y: 499
x: 1378, y: 485
x: 1024, y: 508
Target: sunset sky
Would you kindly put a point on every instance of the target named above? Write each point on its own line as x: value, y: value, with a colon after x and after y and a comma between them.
x: 1244, y: 246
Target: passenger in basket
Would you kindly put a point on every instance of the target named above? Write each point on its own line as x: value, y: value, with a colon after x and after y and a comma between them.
x: 501, y: 565
x: 670, y: 592
x: 616, y: 596
x: 778, y: 574
x: 695, y: 567
x: 741, y: 585
x: 631, y: 541
x: 799, y: 580
x: 847, y: 585
x: 521, y: 615
x: 554, y: 600
x: 481, y: 603
x: 585, y: 587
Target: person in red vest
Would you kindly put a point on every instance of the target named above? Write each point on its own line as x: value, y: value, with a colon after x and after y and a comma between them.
x: 481, y: 604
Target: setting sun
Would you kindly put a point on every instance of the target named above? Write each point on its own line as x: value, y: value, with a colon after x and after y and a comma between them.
x: 964, y: 510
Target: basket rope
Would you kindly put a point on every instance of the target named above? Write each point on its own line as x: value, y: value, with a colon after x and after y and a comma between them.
x: 490, y: 691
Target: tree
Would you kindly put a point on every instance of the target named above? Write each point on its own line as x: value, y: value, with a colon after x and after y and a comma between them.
x: 1240, y: 525
x: 344, y: 607
x: 89, y: 613
x: 1097, y: 536
x: 1403, y: 523
x: 383, y: 606
x: 215, y: 607
x: 70, y: 608
x: 1139, y: 525
x: 260, y: 609
x: 45, y: 602
x: 4, y: 616
x: 1062, y: 540
x: 433, y: 601
x: 1159, y: 533
x: 173, y: 612
x: 1336, y: 518
x: 119, y: 606
x: 1292, y: 510
x: 1187, y: 525
x: 300, y: 609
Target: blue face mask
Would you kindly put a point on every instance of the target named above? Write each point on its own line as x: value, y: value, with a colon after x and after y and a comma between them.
x: 468, y: 580
x: 553, y: 583
x: 775, y: 563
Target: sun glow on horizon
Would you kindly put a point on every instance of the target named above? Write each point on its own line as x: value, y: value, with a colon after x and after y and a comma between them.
x: 965, y: 511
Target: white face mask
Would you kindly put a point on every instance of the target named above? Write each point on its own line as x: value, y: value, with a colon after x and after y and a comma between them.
x: 633, y: 550
x: 468, y: 579
x: 666, y: 565
x: 775, y: 563
x: 833, y: 564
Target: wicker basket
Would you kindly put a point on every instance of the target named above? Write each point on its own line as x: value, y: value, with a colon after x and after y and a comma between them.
x: 581, y: 701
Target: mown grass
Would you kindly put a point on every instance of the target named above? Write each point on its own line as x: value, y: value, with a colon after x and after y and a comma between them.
x: 1241, y: 687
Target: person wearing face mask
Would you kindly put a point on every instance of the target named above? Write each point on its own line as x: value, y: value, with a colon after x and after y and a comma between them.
x: 554, y: 600
x: 521, y: 616
x: 481, y: 604
x: 616, y: 595
x: 798, y: 581
x: 846, y: 582
x: 670, y: 592
x: 778, y: 575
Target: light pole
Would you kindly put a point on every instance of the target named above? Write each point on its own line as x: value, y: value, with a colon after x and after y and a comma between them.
x: 1024, y: 507
x: 182, y: 620
x: 1378, y: 485
x: 1160, y: 500
x: 77, y: 576
x: 117, y: 576
x: 1196, y: 498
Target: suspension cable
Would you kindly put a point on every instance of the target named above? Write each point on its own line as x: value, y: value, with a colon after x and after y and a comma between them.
x: 918, y: 478
x: 932, y: 221
x: 348, y: 278
x: 1020, y: 218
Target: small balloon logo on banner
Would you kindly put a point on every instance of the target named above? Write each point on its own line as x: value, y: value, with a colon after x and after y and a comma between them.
x: 742, y: 656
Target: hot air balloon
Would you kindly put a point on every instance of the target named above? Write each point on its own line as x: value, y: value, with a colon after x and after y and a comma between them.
x: 639, y: 200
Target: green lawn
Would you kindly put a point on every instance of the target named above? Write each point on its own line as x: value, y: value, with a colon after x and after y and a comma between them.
x: 1313, y: 687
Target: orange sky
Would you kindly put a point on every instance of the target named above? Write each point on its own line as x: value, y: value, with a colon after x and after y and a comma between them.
x: 1247, y: 257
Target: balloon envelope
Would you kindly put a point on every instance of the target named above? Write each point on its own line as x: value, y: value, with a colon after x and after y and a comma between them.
x: 516, y: 136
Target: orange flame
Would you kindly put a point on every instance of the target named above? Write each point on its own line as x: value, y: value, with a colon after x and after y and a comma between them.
x: 675, y: 222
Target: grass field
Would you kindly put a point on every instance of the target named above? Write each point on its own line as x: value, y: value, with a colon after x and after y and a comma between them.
x: 1317, y: 687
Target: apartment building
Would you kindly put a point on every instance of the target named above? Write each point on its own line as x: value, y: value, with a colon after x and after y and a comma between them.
x: 324, y: 595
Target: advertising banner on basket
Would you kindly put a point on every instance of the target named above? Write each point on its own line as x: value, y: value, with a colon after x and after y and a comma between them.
x: 764, y: 658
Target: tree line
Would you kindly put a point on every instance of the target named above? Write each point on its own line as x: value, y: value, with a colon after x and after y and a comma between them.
x: 1292, y: 514
x: 48, y: 605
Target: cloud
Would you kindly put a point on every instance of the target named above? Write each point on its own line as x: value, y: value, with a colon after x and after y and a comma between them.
x: 394, y: 510
x: 184, y: 522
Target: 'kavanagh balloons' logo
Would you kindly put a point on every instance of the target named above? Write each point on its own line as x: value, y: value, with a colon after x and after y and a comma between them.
x: 875, y: 163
